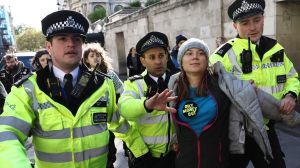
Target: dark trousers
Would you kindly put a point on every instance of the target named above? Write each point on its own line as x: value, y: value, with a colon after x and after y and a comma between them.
x: 255, y: 155
x: 147, y: 161
x: 112, y: 150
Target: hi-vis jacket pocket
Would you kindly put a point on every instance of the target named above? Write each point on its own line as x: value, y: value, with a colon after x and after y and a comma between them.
x: 51, y: 122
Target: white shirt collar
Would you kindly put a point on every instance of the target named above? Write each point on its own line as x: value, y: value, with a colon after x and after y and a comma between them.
x: 257, y: 43
x: 60, y: 74
x: 156, y: 78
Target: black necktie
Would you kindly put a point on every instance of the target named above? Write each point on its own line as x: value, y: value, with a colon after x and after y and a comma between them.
x: 68, y: 87
x: 161, y: 84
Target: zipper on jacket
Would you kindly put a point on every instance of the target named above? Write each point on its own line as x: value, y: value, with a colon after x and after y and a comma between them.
x: 220, y: 152
x: 198, y: 152
x: 169, y: 133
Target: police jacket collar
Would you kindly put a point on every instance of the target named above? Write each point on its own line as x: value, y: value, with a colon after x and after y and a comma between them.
x: 156, y: 78
x: 60, y: 74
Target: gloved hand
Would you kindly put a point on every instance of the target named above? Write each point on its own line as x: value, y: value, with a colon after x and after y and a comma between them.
x: 143, y: 161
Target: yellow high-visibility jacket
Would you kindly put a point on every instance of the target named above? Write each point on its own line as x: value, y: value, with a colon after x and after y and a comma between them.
x: 59, y: 138
x: 275, y: 73
x: 156, y: 127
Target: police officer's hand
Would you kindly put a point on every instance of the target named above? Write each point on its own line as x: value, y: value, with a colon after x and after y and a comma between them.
x: 159, y: 101
x: 287, y: 104
x: 144, y: 161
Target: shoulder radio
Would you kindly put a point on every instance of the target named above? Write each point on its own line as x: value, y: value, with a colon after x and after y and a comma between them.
x: 246, y: 59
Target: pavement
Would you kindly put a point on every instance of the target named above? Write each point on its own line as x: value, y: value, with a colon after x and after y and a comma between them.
x: 289, y: 140
x: 294, y: 131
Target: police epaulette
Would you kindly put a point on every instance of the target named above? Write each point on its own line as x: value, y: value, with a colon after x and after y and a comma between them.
x: 223, y: 50
x: 102, y: 74
x: 278, y: 56
x: 21, y: 81
x: 135, y: 77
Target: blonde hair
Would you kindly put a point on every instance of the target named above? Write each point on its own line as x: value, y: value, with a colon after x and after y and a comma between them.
x: 106, y: 61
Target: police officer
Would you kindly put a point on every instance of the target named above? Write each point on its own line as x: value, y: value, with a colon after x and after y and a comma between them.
x: 66, y: 108
x: 12, y: 71
x: 252, y: 56
x: 143, y: 103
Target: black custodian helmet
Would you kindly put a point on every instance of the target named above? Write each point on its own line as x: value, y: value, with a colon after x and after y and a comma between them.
x: 240, y: 9
x: 64, y: 21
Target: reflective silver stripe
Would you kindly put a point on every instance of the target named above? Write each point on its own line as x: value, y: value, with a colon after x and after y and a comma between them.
x: 156, y: 140
x: 272, y: 89
x: 132, y: 93
x: 65, y: 133
x: 140, y: 86
x: 54, y: 157
x: 123, y: 128
x: 55, y: 134
x: 29, y: 88
x: 89, y: 130
x: 91, y: 153
x: 236, y: 69
x: 148, y: 119
x: 272, y: 65
x: 115, y: 117
x: 17, y: 123
x: 7, y: 135
x: 292, y: 73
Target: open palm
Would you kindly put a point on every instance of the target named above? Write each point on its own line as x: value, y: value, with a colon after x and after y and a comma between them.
x: 159, y: 101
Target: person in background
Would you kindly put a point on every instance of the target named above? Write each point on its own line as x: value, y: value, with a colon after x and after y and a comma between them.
x: 143, y: 103
x: 94, y: 54
x: 40, y: 59
x: 220, y: 41
x: 133, y: 63
x: 12, y: 71
x: 202, y: 110
x: 179, y: 40
x: 3, y: 95
x: 67, y: 109
x: 252, y: 56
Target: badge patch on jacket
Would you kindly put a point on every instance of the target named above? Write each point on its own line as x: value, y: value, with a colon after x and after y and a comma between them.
x: 101, y: 102
x: 98, y: 117
x: 190, y: 109
x: 281, y: 78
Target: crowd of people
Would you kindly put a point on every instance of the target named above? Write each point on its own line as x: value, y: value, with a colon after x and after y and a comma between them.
x: 183, y: 107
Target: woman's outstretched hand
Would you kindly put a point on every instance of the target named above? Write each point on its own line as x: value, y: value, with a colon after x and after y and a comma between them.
x: 159, y: 101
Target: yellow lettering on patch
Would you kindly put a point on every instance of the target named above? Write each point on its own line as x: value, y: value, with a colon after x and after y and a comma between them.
x: 190, y: 110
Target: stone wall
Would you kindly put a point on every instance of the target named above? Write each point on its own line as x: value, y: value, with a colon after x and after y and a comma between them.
x: 204, y: 19
x: 287, y: 29
x: 171, y: 17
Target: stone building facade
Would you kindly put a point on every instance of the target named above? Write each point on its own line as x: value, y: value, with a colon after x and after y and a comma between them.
x: 204, y: 19
x: 87, y: 6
